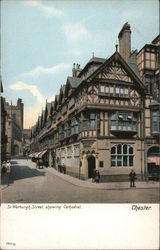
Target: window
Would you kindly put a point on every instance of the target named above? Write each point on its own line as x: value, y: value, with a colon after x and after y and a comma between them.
x: 92, y: 121
x: 124, y: 121
x: 117, y: 91
x: 122, y: 155
x: 155, y: 121
x: 121, y: 92
x: 61, y: 133
x: 75, y: 127
x: 84, y: 121
x: 149, y: 85
x: 113, y: 121
x: 76, y: 156
x: 102, y: 89
x: 126, y: 92
x: 67, y: 130
x: 62, y: 156
x: 98, y: 124
x: 111, y: 91
x: 101, y: 164
x: 69, y: 156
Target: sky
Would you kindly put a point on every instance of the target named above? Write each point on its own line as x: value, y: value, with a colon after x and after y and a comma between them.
x: 40, y: 41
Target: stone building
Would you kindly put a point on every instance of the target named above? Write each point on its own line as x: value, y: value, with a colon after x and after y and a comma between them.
x: 14, y: 128
x: 3, y: 128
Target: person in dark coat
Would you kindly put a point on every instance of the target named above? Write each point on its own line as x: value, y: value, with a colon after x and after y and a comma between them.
x: 132, y: 177
x: 97, y: 176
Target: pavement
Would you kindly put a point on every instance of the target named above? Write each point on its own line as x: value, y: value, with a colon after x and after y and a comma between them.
x: 107, y: 185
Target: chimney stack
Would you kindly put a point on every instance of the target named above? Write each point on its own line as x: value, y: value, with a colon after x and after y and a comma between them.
x: 125, y: 41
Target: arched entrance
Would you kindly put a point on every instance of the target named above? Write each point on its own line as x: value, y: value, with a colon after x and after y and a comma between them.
x: 16, y: 150
x: 153, y: 162
x: 91, y: 166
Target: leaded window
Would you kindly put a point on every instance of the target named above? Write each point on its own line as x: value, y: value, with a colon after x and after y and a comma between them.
x: 92, y: 121
x: 122, y: 155
x: 155, y: 121
x: 123, y: 121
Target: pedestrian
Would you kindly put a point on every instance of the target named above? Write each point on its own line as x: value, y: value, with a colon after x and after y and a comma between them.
x: 3, y: 167
x: 132, y: 177
x: 97, y: 176
x: 8, y: 171
x: 93, y: 175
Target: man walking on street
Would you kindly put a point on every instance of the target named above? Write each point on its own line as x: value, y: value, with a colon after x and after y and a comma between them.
x: 132, y: 177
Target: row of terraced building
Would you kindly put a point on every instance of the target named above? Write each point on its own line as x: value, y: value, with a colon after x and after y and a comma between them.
x: 106, y: 116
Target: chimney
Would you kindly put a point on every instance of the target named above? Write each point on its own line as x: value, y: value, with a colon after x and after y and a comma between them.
x: 73, y: 70
x: 125, y: 41
x: 78, y: 69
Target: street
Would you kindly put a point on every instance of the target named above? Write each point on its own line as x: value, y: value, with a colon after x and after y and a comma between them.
x: 30, y: 185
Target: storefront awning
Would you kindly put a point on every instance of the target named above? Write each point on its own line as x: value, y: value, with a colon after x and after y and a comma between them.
x: 37, y: 155
x: 42, y: 153
x: 155, y: 160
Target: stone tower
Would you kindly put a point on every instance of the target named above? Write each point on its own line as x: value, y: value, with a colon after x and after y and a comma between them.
x: 125, y: 41
x: 14, y: 128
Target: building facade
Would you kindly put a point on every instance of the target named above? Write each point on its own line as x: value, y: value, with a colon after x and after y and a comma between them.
x: 106, y: 116
x: 3, y: 128
x: 148, y: 61
x: 14, y: 128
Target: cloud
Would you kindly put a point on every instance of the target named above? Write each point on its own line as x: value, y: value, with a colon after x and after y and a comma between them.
x: 75, y: 33
x: 31, y: 88
x: 51, y: 99
x: 47, y: 10
x: 42, y: 70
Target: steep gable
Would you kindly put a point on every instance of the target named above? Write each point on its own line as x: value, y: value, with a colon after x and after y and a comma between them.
x: 116, y: 68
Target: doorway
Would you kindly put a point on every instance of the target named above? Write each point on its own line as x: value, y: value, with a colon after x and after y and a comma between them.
x: 91, y: 166
x: 16, y: 150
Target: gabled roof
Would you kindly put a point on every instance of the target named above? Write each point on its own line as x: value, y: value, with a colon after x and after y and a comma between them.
x: 116, y: 56
x: 72, y: 83
x: 134, y: 67
x: 93, y: 60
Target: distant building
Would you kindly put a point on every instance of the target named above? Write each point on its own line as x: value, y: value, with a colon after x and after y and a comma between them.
x: 14, y: 128
x: 26, y: 136
x: 3, y: 128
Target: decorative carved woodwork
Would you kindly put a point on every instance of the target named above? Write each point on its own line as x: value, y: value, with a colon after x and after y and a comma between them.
x: 134, y: 98
x: 114, y: 71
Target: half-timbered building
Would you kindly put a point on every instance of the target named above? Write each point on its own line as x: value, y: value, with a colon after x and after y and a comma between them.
x: 98, y: 121
x: 106, y: 116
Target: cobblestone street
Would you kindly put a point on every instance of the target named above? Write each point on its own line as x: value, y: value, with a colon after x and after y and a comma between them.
x: 31, y: 185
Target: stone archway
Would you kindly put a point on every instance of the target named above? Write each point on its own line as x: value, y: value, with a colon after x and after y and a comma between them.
x: 91, y: 165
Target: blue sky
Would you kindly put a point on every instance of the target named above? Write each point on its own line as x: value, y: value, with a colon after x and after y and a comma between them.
x: 42, y: 39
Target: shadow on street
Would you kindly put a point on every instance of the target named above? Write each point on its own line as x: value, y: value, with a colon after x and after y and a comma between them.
x: 20, y: 172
